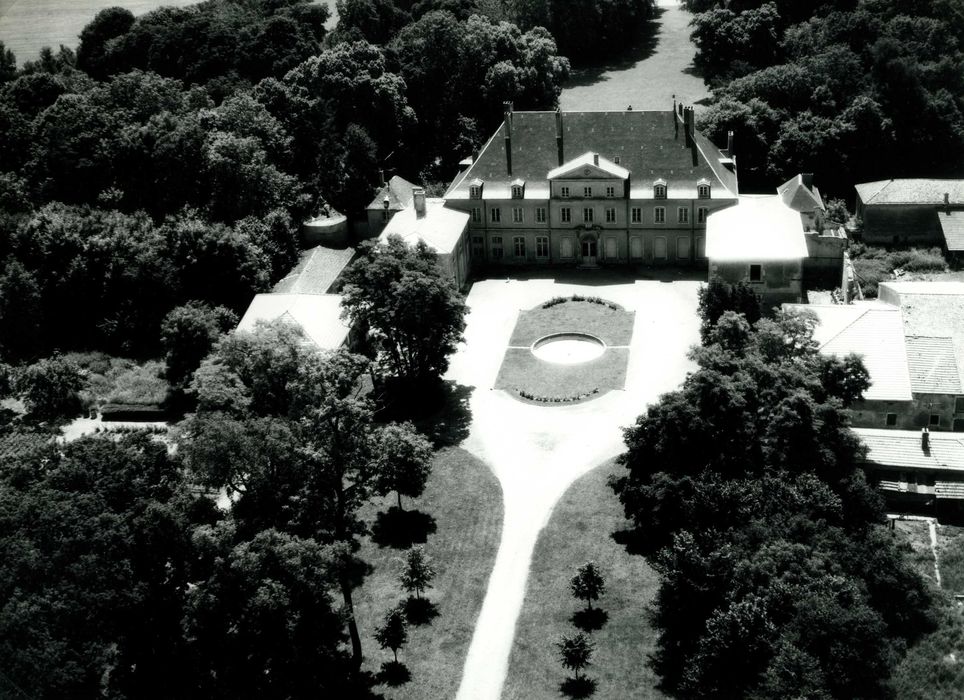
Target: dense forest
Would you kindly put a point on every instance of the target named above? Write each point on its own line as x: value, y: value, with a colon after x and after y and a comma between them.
x: 852, y: 90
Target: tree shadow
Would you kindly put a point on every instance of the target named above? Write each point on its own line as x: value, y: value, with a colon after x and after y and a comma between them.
x: 439, y: 410
x: 642, y: 47
x: 400, y: 529
x: 576, y: 688
x: 590, y: 620
x: 394, y: 674
x: 420, y: 611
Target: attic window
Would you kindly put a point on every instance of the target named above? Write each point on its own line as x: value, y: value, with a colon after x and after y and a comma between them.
x: 475, y: 190
x: 518, y: 189
x: 703, y: 189
x: 659, y: 189
x: 616, y: 160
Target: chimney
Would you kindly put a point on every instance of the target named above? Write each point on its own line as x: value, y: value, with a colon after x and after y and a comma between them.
x: 418, y: 201
x: 508, y: 137
x: 807, y: 180
x: 947, y: 203
x: 559, y: 136
x: 729, y: 144
x: 688, y: 125
x: 381, y: 175
x: 925, y: 440
x: 595, y: 159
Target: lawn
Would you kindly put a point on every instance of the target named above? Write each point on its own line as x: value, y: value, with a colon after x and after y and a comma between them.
x: 613, y: 327
x: 465, y: 500
x: 579, y: 531
x: 917, y: 535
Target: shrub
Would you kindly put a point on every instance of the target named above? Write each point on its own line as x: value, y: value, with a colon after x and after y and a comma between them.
x: 557, y: 399
x: 50, y: 388
x: 555, y: 301
x: 875, y: 265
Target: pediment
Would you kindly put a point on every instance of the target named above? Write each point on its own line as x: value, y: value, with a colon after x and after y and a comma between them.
x: 589, y: 166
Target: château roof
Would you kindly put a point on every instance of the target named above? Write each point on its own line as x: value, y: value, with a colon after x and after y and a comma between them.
x: 399, y: 193
x: 911, y: 191
x: 650, y: 145
x: 758, y: 228
x: 591, y: 160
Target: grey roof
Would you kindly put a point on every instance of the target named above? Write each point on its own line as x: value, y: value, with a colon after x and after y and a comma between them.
x: 952, y: 224
x: 932, y: 309
x: 933, y: 367
x: 911, y: 191
x: 399, y: 193
x: 904, y: 449
x: 798, y: 196
x: 646, y: 143
x: 316, y: 271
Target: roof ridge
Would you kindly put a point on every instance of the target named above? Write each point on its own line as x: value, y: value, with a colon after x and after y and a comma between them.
x: 886, y: 184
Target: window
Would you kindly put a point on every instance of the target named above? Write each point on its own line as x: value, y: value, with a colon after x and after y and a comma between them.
x: 495, y: 215
x: 478, y: 247
x: 756, y: 273
x: 700, y: 247
x: 519, y: 244
x: 587, y: 215
x: 683, y: 215
x: 612, y: 249
x: 516, y: 191
x: 540, y: 215
x: 682, y: 248
x: 385, y: 214
x: 703, y: 190
x: 565, y: 248
x: 517, y: 215
x: 610, y: 191
x: 701, y: 215
x: 659, y: 189
x: 935, y: 419
x: 637, y: 214
x: 659, y: 248
x: 566, y: 214
x: 476, y: 215
x: 475, y: 191
x: 496, y: 247
x: 958, y: 425
x: 659, y: 215
x: 563, y: 191
x: 959, y: 404
x: 616, y: 160
x: 891, y: 420
x: 636, y: 248
x: 587, y: 191
x: 542, y: 246
x: 610, y: 215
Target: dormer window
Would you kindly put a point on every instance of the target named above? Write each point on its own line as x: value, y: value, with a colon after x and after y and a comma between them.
x: 703, y: 189
x: 475, y: 189
x: 616, y: 160
x: 659, y: 189
x: 518, y: 189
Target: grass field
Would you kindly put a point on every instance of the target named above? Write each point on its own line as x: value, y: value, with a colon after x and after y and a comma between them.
x: 26, y: 26
x: 579, y: 531
x: 609, y: 325
x: 465, y: 499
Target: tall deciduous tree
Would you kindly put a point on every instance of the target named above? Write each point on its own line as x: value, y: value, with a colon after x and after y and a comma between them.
x: 188, y: 333
x: 575, y: 653
x: 718, y: 296
x: 588, y: 584
x: 415, y: 314
x: 393, y: 632
x: 403, y: 461
x: 744, y: 493
x: 418, y: 572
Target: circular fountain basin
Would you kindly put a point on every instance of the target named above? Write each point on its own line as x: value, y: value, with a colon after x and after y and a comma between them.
x: 568, y: 348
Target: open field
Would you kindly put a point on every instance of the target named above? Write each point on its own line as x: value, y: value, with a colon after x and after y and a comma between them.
x: 465, y: 500
x: 26, y: 26
x: 579, y: 531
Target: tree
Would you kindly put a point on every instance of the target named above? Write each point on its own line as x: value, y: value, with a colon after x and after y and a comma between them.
x: 418, y: 572
x: 719, y: 296
x: 403, y: 461
x: 21, y: 312
x: 393, y: 632
x: 8, y: 64
x: 575, y: 653
x: 725, y: 480
x: 92, y: 53
x: 412, y: 308
x: 588, y: 584
x: 50, y: 387
x: 188, y: 333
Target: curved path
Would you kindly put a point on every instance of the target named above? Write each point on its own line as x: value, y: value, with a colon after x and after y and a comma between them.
x: 537, y: 452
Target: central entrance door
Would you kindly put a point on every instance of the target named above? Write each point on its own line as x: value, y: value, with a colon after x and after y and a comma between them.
x: 588, y: 251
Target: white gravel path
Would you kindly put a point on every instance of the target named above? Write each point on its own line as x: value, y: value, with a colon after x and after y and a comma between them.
x: 538, y: 452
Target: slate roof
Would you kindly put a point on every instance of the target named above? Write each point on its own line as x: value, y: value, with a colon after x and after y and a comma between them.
x: 399, y: 193
x: 316, y: 271
x: 646, y: 143
x: 440, y: 228
x: 317, y: 315
x: 903, y: 449
x: 873, y: 331
x: 932, y: 365
x: 911, y: 191
x: 952, y: 224
x: 759, y: 228
x: 796, y: 195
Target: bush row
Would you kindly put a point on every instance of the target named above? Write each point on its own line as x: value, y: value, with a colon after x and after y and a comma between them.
x: 555, y: 301
x: 557, y: 399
